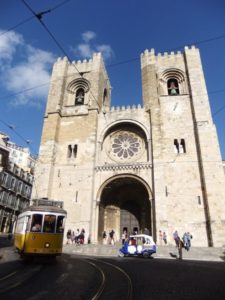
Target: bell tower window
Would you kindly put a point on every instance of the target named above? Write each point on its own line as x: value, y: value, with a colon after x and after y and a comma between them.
x: 79, y: 99
x: 173, y: 87
x: 105, y: 96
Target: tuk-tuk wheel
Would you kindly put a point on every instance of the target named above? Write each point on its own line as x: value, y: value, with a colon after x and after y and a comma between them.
x: 121, y: 254
x: 145, y: 255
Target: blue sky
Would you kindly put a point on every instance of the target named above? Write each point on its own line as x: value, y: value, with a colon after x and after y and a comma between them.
x: 122, y: 30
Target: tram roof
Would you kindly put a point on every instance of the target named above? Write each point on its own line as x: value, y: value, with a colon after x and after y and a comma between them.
x: 43, y: 208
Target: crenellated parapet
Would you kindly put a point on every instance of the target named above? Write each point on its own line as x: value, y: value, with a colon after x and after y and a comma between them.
x: 149, y: 56
x: 81, y: 66
x: 127, y: 108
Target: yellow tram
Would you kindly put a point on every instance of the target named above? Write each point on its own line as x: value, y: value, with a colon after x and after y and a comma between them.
x: 40, y: 228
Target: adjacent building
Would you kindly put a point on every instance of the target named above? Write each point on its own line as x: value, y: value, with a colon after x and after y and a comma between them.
x: 156, y: 166
x: 16, y: 180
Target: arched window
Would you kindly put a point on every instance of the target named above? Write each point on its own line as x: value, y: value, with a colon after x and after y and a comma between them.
x: 182, y: 146
x: 176, y: 146
x: 105, y: 95
x: 173, y: 87
x: 79, y: 99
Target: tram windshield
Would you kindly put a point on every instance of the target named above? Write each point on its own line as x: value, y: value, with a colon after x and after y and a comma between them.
x: 60, y: 224
x: 36, y: 223
x: 49, y: 223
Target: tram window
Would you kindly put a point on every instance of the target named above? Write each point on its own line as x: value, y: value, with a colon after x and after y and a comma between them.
x: 28, y: 222
x: 36, y: 222
x: 60, y: 224
x: 19, y: 225
x: 49, y: 223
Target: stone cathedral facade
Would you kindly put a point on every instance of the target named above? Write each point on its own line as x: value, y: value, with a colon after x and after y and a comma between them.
x: 156, y: 166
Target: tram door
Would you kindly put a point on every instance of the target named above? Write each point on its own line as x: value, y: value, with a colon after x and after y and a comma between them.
x: 128, y: 222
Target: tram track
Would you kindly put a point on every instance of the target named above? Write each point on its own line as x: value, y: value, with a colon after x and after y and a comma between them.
x: 107, y: 289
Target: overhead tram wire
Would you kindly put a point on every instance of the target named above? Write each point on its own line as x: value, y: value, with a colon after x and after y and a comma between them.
x: 17, y: 25
x: 172, y: 49
x: 12, y: 127
x: 47, y: 83
x: 32, y: 17
x: 39, y: 17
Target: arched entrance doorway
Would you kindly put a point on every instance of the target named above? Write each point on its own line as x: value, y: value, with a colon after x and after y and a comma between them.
x: 124, y: 205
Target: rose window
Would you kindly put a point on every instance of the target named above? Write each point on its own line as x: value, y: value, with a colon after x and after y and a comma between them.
x: 125, y: 145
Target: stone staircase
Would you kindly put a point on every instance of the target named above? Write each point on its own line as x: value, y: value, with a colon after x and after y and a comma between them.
x: 166, y: 252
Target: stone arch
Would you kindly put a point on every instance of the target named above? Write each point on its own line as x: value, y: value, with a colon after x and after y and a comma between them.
x: 121, y: 123
x: 127, y: 175
x: 131, y: 134
x: 125, y: 201
x: 74, y: 85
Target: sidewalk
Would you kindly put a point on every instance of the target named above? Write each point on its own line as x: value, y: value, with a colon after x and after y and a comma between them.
x: 7, y: 251
x: 166, y: 252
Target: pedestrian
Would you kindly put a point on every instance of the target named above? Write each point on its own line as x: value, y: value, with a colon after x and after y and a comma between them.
x: 73, y: 237
x: 176, y: 238
x: 160, y: 237
x: 82, y: 236
x: 185, y: 241
x: 77, y: 233
x: 111, y: 235
x: 124, y: 236
x: 68, y: 236
x: 165, y: 238
x: 135, y: 232
x: 180, y: 249
x: 104, y: 238
x: 190, y: 237
x: 89, y: 239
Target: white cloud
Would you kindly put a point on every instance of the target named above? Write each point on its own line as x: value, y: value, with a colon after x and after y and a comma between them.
x: 88, y: 35
x: 106, y: 51
x: 87, y: 48
x: 84, y: 50
x: 26, y: 72
x: 8, y: 44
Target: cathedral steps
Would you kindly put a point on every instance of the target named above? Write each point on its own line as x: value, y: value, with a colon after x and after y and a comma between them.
x: 164, y: 252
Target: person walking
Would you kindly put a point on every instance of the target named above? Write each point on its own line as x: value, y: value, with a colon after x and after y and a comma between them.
x: 124, y: 236
x: 104, y: 238
x: 176, y: 238
x: 180, y: 249
x: 160, y: 237
x: 68, y: 236
x: 111, y: 235
x: 164, y: 238
x: 187, y: 240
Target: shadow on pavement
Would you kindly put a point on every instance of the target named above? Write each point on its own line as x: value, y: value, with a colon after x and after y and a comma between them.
x: 6, y: 240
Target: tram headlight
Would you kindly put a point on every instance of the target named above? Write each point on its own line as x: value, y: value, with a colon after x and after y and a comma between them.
x: 47, y: 245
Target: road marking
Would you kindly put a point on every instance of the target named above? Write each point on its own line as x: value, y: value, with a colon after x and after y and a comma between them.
x: 7, y: 276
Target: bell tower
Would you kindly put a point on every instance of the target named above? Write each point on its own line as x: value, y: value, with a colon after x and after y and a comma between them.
x: 184, y: 145
x: 79, y: 92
